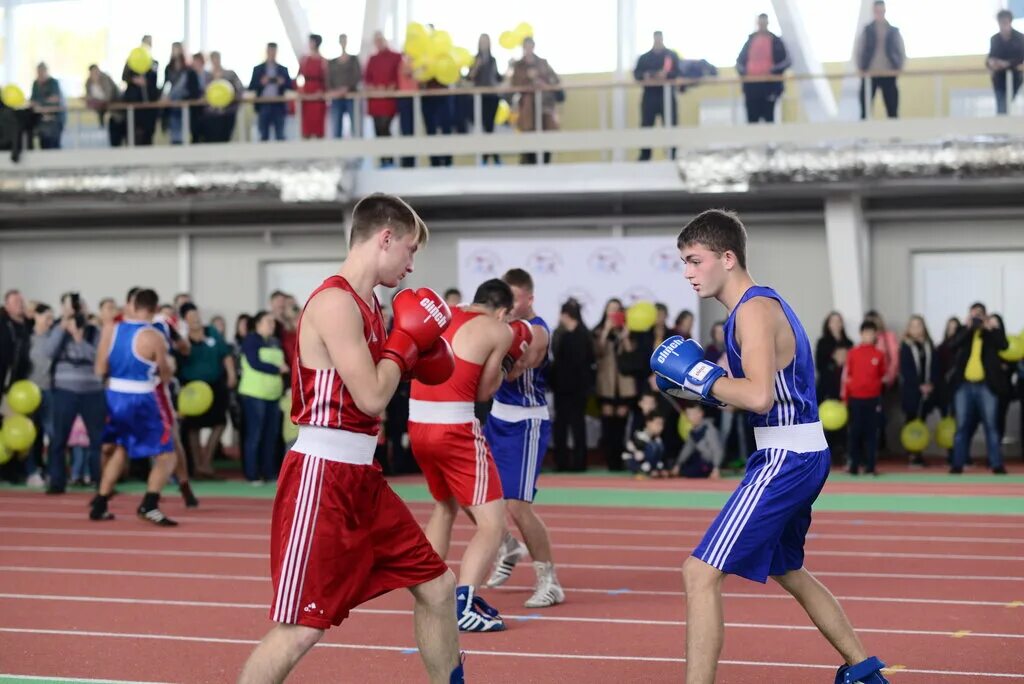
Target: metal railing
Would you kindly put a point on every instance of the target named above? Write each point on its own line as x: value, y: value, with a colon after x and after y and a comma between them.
x: 975, y: 84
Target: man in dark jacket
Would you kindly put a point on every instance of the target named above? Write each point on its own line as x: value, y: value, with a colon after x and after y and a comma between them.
x: 763, y: 55
x: 572, y: 379
x: 15, y: 333
x: 270, y: 79
x: 657, y: 64
x: 142, y: 88
x: 1005, y: 56
x: 977, y: 382
x: 880, y: 50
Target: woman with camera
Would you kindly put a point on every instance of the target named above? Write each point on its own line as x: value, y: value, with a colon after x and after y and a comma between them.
x: 71, y: 345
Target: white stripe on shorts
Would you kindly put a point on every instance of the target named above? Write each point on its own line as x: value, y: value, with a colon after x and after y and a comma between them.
x: 297, y: 553
x: 780, y: 459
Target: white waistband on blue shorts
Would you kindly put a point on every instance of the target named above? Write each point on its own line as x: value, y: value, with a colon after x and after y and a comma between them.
x: 441, y: 412
x: 340, y: 446
x: 800, y: 439
x: 131, y: 386
x: 515, y: 414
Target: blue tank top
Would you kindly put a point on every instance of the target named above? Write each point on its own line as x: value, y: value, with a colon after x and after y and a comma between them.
x: 795, y: 400
x: 124, y: 363
x: 530, y: 387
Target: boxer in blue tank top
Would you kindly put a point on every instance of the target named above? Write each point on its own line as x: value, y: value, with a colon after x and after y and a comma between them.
x: 518, y: 430
x: 132, y: 355
x: 761, y: 530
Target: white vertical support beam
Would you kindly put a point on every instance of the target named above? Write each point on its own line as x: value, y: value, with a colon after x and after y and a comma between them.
x: 204, y: 26
x: 184, y: 263
x: 847, y: 237
x: 390, y: 18
x: 10, y: 43
x: 849, y: 93
x: 816, y: 96
x: 296, y: 25
x: 186, y: 34
x: 625, y: 58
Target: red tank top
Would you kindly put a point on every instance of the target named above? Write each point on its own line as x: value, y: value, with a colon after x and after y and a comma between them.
x: 462, y: 386
x: 319, y: 396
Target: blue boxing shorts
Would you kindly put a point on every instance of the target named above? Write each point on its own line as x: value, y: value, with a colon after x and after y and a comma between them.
x: 762, y: 528
x: 518, y: 448
x: 141, y: 423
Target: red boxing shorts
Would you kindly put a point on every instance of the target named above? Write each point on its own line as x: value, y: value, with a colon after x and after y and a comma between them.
x: 456, y: 462
x: 339, y: 537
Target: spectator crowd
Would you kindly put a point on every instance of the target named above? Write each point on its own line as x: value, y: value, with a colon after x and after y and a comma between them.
x: 327, y: 86
x: 603, y: 392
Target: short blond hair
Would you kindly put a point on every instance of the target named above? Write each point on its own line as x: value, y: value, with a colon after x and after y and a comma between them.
x: 375, y: 212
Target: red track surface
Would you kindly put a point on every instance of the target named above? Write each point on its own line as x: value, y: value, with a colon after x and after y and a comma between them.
x: 942, y: 597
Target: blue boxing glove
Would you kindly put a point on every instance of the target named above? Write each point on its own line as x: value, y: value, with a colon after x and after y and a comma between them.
x: 682, y: 372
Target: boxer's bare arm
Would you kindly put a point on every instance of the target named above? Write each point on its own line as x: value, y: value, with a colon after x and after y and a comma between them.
x: 499, y: 337
x: 332, y: 336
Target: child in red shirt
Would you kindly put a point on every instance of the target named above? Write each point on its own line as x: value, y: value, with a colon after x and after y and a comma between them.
x: 862, y: 390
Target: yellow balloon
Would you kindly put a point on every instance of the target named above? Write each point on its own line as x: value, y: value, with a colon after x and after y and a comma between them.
x: 440, y: 43
x: 915, y: 437
x: 502, y: 113
x: 1015, y: 352
x: 139, y: 59
x: 195, y: 399
x: 13, y: 96
x: 462, y: 57
x: 641, y: 317
x: 509, y: 40
x: 24, y: 397
x: 423, y: 69
x: 415, y: 29
x: 18, y: 432
x: 833, y: 414
x: 524, y: 30
x: 446, y: 70
x: 417, y: 46
x: 684, y: 426
x: 945, y: 432
x: 286, y: 403
x: 5, y: 455
x: 289, y: 430
x: 220, y: 93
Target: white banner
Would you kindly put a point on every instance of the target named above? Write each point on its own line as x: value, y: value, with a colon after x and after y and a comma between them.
x: 592, y: 270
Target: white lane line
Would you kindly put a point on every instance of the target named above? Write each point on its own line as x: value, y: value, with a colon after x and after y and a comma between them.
x: 531, y: 617
x: 505, y: 654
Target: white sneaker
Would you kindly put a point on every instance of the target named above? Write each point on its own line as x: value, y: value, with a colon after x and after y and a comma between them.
x: 508, y: 556
x: 548, y: 592
x: 35, y: 481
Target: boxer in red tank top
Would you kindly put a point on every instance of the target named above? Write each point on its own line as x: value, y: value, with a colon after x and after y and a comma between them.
x: 450, y: 448
x: 339, y: 535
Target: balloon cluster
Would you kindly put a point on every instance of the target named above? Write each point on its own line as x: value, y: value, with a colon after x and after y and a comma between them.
x: 434, y: 56
x: 19, y: 431
x: 510, y: 40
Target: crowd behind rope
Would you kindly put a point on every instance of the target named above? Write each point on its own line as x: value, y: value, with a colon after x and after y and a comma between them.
x: 604, y: 394
x: 326, y: 85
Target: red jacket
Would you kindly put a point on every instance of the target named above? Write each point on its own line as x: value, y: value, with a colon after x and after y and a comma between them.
x: 863, y: 373
x: 382, y: 72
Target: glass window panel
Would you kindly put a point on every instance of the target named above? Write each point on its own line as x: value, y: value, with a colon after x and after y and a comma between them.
x: 243, y: 43
x: 330, y: 19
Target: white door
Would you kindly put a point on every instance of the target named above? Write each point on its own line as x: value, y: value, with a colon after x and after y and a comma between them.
x: 947, y: 283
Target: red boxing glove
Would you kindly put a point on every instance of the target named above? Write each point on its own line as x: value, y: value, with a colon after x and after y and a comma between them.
x: 436, y: 364
x: 522, y: 336
x: 420, y: 318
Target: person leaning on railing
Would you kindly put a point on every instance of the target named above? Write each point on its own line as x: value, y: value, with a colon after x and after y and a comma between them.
x: 764, y: 54
x: 532, y: 72
x: 1005, y: 56
x: 880, y: 51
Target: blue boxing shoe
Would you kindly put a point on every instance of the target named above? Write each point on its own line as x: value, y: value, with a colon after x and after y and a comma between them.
x: 474, y: 614
x: 865, y: 672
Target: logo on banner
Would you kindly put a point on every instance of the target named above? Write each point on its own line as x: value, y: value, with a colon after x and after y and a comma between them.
x: 638, y: 293
x: 666, y: 260
x: 607, y: 260
x: 484, y: 262
x: 544, y: 262
x: 582, y: 296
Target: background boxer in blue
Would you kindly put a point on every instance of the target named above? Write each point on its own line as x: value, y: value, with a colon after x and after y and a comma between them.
x: 761, y: 530
x: 133, y: 354
x: 518, y: 429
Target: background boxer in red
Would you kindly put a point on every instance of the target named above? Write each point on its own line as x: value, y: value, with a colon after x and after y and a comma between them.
x: 340, y: 536
x: 450, y: 448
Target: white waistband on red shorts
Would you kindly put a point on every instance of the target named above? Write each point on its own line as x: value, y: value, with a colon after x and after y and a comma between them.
x: 330, y: 444
x: 131, y: 386
x: 441, y: 412
x: 513, y: 414
x: 800, y: 439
